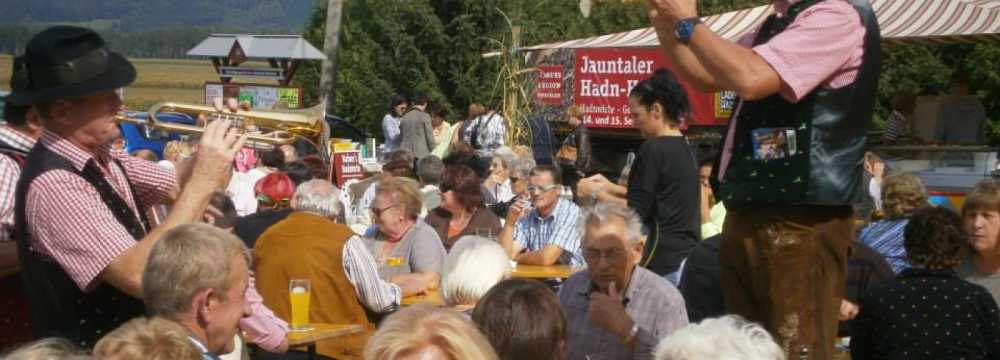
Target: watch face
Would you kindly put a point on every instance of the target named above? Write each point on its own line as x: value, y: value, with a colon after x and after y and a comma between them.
x: 682, y: 31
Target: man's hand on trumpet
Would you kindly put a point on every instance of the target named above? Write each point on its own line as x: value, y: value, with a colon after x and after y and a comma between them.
x: 211, y: 165
x: 228, y: 106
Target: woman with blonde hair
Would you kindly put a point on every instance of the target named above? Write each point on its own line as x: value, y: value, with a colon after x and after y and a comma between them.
x: 426, y: 332
x: 404, y: 246
x: 174, y: 152
x: 902, y: 194
x: 147, y: 338
x: 48, y: 349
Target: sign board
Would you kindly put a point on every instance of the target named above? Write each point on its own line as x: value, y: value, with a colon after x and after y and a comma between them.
x: 549, y: 85
x: 346, y: 166
x: 603, y: 79
x: 260, y: 73
x: 260, y: 96
x: 724, y: 104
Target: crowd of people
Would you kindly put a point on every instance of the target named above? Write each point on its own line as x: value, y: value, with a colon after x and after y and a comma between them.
x: 735, y: 255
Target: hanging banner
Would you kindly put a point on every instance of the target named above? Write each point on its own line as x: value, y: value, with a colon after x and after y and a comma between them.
x: 603, y: 79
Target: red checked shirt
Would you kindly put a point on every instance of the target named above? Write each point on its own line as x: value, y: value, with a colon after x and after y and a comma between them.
x: 822, y: 47
x: 69, y: 222
x: 10, y: 171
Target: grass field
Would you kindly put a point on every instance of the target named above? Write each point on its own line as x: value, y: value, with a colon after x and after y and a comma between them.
x: 158, y: 80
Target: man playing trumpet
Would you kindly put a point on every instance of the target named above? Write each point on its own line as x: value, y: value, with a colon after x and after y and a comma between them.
x: 79, y: 225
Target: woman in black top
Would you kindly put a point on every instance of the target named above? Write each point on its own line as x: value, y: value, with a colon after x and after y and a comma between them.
x: 928, y: 312
x: 663, y: 184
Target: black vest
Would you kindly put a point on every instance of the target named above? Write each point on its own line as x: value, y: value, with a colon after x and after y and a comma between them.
x: 829, y: 127
x: 59, y: 307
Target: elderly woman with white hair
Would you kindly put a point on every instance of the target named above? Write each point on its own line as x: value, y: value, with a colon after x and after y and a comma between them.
x: 724, y: 338
x: 472, y: 267
x: 498, y: 182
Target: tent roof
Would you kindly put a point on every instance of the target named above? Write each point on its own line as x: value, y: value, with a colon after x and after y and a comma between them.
x: 902, y: 21
x: 258, y: 46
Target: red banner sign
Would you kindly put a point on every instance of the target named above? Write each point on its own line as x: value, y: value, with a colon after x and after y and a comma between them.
x: 346, y: 166
x: 604, y: 77
x: 549, y: 85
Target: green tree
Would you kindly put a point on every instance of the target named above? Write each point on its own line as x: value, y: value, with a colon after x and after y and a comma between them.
x: 435, y: 47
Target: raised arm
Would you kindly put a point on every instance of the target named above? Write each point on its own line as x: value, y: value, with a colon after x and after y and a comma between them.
x: 213, y: 163
x: 708, y: 61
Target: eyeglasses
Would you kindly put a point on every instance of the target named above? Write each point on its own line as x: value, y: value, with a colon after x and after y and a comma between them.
x: 378, y: 212
x: 611, y: 256
x: 534, y: 189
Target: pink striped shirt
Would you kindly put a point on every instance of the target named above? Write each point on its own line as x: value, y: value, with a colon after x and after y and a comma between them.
x: 10, y: 171
x: 822, y: 48
x: 69, y: 222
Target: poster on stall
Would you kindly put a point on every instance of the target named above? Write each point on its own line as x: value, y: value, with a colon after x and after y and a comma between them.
x: 549, y: 85
x: 259, y: 96
x: 290, y: 97
x: 346, y: 166
x: 603, y: 79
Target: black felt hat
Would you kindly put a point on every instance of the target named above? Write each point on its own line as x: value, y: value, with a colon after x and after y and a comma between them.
x: 66, y: 62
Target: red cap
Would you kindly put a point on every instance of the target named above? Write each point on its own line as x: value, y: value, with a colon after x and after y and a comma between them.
x: 274, y: 188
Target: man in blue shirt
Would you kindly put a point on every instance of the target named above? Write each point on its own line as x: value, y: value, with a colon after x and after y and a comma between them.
x: 546, y: 230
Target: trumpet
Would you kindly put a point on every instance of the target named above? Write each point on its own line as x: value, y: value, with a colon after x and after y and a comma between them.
x: 265, y: 129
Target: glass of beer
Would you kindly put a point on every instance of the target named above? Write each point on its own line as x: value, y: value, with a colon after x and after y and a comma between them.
x: 298, y: 292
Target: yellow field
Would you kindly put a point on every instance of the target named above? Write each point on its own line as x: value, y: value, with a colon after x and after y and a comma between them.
x: 158, y: 80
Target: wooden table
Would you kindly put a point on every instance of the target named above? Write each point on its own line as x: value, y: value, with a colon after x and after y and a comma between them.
x: 434, y: 298
x: 318, y: 333
x: 523, y: 271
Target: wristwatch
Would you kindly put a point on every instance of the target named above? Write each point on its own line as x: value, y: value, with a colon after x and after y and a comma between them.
x: 684, y: 28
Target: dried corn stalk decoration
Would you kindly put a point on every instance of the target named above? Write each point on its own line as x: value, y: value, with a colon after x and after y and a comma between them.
x: 513, y: 85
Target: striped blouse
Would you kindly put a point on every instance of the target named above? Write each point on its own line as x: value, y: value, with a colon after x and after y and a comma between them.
x: 886, y: 238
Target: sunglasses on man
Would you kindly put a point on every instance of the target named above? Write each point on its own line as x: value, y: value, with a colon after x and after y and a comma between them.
x: 535, y: 189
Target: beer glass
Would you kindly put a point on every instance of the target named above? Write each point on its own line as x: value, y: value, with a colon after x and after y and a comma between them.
x: 299, y: 291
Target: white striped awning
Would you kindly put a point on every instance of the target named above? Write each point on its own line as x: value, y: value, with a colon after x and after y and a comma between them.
x: 902, y: 21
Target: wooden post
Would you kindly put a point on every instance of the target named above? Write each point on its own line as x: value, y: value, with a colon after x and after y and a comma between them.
x: 328, y: 73
x: 290, y: 71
